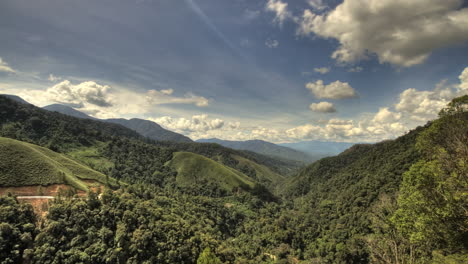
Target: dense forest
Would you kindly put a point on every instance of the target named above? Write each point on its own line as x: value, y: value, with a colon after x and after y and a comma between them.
x: 397, y: 201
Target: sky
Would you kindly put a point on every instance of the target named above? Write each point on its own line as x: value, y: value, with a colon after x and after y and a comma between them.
x: 276, y: 70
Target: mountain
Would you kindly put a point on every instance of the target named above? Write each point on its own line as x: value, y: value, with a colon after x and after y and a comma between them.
x: 15, y: 98
x: 118, y: 151
x: 150, y: 129
x: 143, y: 127
x: 66, y: 110
x: 263, y: 147
x: 319, y: 148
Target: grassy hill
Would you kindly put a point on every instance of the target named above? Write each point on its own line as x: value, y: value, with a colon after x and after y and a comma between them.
x: 23, y: 164
x: 259, y: 172
x: 193, y: 168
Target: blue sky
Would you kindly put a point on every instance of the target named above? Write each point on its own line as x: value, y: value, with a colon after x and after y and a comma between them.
x: 277, y: 70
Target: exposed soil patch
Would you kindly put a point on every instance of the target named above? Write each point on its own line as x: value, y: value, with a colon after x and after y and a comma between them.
x: 41, y: 203
x: 38, y: 190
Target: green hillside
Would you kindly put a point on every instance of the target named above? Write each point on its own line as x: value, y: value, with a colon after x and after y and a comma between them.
x: 24, y: 164
x: 258, y: 172
x: 193, y: 168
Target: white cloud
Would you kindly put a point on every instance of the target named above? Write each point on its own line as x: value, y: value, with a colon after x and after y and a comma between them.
x: 323, y: 107
x: 463, y: 80
x: 399, y: 32
x: 197, y: 123
x: 156, y: 97
x: 53, y: 78
x: 317, y: 4
x: 77, y: 95
x: 280, y: 9
x: 167, y: 91
x: 355, y: 69
x: 386, y: 116
x: 322, y: 70
x: 334, y: 90
x: 4, y: 67
x: 271, y: 43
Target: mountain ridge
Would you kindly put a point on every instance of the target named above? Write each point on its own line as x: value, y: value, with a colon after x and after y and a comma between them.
x: 263, y: 147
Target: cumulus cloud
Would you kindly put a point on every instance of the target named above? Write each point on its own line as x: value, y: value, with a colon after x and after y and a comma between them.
x: 280, y: 9
x: 399, y: 32
x: 197, y: 123
x: 77, y: 95
x: 463, y: 80
x: 386, y: 116
x: 334, y: 90
x: 271, y: 43
x: 4, y: 67
x: 322, y: 70
x: 323, y: 107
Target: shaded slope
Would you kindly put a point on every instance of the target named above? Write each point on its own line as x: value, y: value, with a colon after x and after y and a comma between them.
x: 195, y: 169
x: 150, y: 129
x: 319, y: 149
x: 263, y: 147
x: 23, y: 164
x: 66, y: 110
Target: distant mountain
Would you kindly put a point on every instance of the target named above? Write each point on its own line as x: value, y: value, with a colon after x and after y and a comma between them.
x: 319, y: 148
x: 66, y: 110
x: 263, y: 147
x: 15, y: 98
x: 150, y: 129
x: 145, y: 128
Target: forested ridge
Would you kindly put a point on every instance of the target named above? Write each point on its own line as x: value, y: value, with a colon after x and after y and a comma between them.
x: 397, y: 201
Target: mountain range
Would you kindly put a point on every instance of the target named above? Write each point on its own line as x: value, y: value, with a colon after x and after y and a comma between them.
x: 373, y: 203
x: 265, y: 148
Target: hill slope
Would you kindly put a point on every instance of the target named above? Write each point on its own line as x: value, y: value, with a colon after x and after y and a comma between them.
x: 262, y: 147
x: 192, y: 168
x: 23, y: 164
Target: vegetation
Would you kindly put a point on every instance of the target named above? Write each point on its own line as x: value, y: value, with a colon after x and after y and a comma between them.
x: 27, y: 164
x: 192, y: 168
x: 398, y: 201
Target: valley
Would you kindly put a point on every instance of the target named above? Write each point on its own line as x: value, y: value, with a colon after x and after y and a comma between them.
x: 142, y: 196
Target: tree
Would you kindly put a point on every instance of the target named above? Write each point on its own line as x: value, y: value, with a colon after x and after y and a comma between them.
x: 207, y: 257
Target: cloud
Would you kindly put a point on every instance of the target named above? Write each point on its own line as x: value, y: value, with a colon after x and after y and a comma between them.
x: 4, y: 67
x: 463, y: 80
x: 280, y: 9
x: 355, y: 69
x: 54, y: 78
x: 322, y: 70
x: 156, y: 97
x: 386, y: 116
x: 197, y: 123
x: 323, y: 107
x: 271, y: 43
x: 77, y: 95
x: 403, y: 33
x: 317, y: 4
x: 334, y: 90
